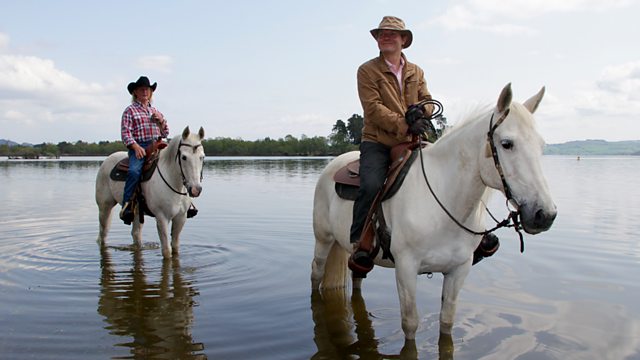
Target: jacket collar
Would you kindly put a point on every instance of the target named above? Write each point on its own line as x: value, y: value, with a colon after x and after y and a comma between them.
x: 406, y: 71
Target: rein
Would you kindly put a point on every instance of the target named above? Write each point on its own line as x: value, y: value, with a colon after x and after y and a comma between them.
x: 184, y: 179
x: 512, y: 219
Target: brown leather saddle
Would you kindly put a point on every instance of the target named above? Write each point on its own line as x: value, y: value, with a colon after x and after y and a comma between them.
x: 347, y: 178
x: 347, y: 181
x: 119, y: 171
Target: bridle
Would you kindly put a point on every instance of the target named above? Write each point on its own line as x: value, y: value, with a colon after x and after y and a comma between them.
x: 513, y: 219
x: 179, y: 159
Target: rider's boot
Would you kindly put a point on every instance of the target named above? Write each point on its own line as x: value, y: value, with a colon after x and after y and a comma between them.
x: 487, y: 247
x: 126, y: 214
x: 192, y: 211
x: 360, y: 261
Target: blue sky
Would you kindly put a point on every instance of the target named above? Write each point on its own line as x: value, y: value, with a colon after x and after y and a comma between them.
x: 252, y: 69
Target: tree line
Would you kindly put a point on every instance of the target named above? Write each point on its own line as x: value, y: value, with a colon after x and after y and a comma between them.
x: 345, y: 136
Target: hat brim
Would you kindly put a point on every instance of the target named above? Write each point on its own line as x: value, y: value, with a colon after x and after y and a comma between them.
x: 133, y: 86
x: 374, y: 33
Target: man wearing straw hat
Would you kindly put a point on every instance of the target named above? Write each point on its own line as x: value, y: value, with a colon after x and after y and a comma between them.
x: 387, y: 86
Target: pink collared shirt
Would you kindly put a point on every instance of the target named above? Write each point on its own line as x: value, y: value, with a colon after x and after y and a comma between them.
x: 397, y: 71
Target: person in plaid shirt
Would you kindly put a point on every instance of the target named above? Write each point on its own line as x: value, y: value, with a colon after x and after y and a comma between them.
x: 141, y: 125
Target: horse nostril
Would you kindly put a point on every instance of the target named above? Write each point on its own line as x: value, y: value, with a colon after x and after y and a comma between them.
x: 544, y: 219
x: 194, y: 191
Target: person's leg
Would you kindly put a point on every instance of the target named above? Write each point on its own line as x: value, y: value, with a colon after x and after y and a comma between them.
x: 133, y: 178
x: 374, y: 163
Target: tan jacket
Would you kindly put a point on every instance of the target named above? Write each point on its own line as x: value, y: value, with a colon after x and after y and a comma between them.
x: 382, y: 103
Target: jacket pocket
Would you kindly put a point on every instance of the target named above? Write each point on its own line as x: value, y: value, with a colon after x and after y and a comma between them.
x: 411, y: 91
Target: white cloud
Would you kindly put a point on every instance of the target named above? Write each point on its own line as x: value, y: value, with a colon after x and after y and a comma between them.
x: 614, y: 93
x: 161, y: 63
x: 30, y: 74
x: 4, y: 41
x: 529, y: 9
x: 465, y: 17
x: 497, y: 16
x: 607, y: 108
x: 47, y: 101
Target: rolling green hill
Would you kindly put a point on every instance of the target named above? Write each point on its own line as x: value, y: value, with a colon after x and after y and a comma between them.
x: 594, y: 147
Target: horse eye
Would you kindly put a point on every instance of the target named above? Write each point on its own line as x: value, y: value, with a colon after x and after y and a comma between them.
x: 506, y: 144
x: 184, y: 157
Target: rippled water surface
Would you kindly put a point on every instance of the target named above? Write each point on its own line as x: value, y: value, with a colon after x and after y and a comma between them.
x: 240, y: 287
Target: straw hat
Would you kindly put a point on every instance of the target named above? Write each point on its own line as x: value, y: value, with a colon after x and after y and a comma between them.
x: 393, y: 23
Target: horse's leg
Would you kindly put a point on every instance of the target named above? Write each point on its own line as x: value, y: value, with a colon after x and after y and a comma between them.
x: 176, y: 228
x: 105, y: 201
x: 320, y: 255
x: 451, y: 286
x: 104, y: 219
x: 406, y: 279
x: 163, y: 233
x: 356, y: 283
x: 136, y: 231
x: 329, y: 266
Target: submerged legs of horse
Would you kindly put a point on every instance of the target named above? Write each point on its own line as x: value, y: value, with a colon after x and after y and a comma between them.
x: 406, y: 280
x: 451, y: 287
x: 176, y: 227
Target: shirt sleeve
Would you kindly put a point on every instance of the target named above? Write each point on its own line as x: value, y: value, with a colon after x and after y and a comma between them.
x: 126, y: 126
x: 165, y: 129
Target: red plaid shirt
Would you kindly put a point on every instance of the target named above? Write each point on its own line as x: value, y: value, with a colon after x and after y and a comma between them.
x: 137, y: 126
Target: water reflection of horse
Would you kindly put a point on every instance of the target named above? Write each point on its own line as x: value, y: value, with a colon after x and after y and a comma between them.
x: 178, y: 174
x: 498, y: 148
x: 156, y: 315
x: 344, y: 330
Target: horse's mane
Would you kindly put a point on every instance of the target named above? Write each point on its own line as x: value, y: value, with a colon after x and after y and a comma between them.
x: 481, y: 111
x: 471, y: 116
x: 173, y: 144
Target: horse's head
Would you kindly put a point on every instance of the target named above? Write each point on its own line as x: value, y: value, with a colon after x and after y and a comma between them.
x: 190, y: 156
x: 511, y: 161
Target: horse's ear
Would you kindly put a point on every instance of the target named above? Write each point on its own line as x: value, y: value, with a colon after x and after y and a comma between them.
x: 505, y: 98
x: 534, y: 101
x: 185, y: 132
x: 201, y: 133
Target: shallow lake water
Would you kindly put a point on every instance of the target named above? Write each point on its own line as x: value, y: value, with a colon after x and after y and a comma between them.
x: 240, y: 287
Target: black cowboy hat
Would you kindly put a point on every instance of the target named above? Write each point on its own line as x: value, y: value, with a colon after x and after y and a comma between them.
x: 142, y: 81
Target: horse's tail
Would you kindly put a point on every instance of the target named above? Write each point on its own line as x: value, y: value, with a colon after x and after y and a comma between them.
x: 336, y: 273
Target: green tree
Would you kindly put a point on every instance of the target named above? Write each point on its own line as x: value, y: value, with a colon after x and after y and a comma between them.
x: 339, y: 138
x: 354, y: 128
x: 339, y: 134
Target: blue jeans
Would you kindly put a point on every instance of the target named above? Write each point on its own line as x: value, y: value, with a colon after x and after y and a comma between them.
x: 134, y: 174
x: 375, y: 159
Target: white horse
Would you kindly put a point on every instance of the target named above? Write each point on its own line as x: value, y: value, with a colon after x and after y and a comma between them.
x: 178, y: 174
x: 424, y: 238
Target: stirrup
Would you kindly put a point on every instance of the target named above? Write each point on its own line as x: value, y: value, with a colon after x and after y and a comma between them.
x: 487, y: 247
x: 126, y: 215
x: 360, y: 263
x: 192, y: 211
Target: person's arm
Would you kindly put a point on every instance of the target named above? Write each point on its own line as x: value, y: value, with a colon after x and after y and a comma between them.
x: 126, y: 124
x: 160, y: 120
x: 423, y: 93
